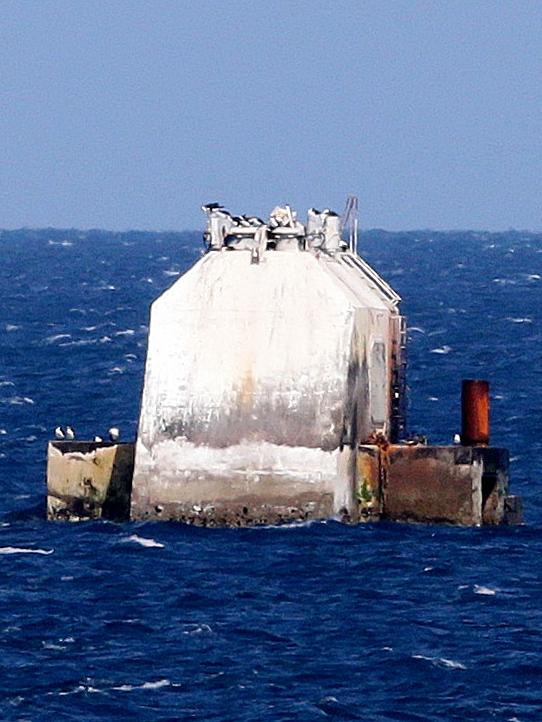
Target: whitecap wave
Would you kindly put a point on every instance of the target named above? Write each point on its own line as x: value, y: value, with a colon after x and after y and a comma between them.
x: 18, y: 401
x: 505, y: 281
x: 197, y: 629
x: 144, y: 541
x: 485, y: 591
x: 440, y: 661
x: 116, y: 370
x: 57, y: 337
x: 441, y: 349
x: 23, y: 550
x: 158, y: 684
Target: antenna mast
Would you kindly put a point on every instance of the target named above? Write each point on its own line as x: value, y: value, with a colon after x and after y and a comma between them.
x: 350, y: 220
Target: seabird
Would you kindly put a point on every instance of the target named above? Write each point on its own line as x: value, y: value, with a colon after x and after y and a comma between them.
x: 114, y: 433
x: 211, y: 207
x: 98, y: 439
x: 70, y: 433
x: 457, y: 438
x: 59, y: 433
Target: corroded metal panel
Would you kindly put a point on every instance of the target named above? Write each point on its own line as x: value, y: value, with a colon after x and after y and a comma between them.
x: 495, y: 480
x: 433, y: 484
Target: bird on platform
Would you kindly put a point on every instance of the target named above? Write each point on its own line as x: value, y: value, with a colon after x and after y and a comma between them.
x: 70, y: 433
x: 253, y: 220
x: 457, y: 438
x: 98, y: 439
x: 212, y: 207
x: 114, y: 434
x: 59, y: 433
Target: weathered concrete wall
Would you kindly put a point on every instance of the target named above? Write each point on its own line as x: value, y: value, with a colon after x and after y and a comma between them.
x: 260, y: 381
x: 89, y: 480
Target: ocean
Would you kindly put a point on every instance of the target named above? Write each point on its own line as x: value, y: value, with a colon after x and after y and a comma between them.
x: 148, y: 621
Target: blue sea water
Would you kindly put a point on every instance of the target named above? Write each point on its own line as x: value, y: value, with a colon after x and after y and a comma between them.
x: 379, y: 622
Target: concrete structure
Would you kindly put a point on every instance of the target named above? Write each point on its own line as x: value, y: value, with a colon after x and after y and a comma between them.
x: 89, y: 480
x: 274, y: 392
x: 268, y: 363
x: 399, y: 482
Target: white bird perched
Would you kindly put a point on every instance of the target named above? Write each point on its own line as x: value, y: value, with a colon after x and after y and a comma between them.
x: 98, y: 439
x: 114, y: 433
x: 70, y: 433
x: 59, y: 433
x: 457, y: 438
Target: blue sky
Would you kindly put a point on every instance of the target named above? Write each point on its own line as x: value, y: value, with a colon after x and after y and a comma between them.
x: 130, y: 114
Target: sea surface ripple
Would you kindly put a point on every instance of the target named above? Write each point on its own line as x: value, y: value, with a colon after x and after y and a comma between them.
x: 165, y: 622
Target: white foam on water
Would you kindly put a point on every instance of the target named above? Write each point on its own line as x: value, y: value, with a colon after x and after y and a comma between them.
x: 172, y: 272
x: 290, y: 525
x: 505, y: 281
x: 441, y: 349
x: 117, y: 370
x: 441, y: 661
x: 18, y: 400
x: 143, y: 541
x: 7, y: 383
x: 158, y: 684
x: 198, y: 629
x: 23, y: 550
x: 127, y: 332
x: 12, y: 327
x: 526, y: 319
x: 81, y: 342
x: 485, y: 591
x: 418, y: 329
x: 57, y: 337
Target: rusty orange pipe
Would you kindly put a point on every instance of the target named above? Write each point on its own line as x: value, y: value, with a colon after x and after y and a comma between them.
x: 474, y: 412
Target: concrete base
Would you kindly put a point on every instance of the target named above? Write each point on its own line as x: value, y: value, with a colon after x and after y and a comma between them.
x: 429, y: 484
x: 89, y: 480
